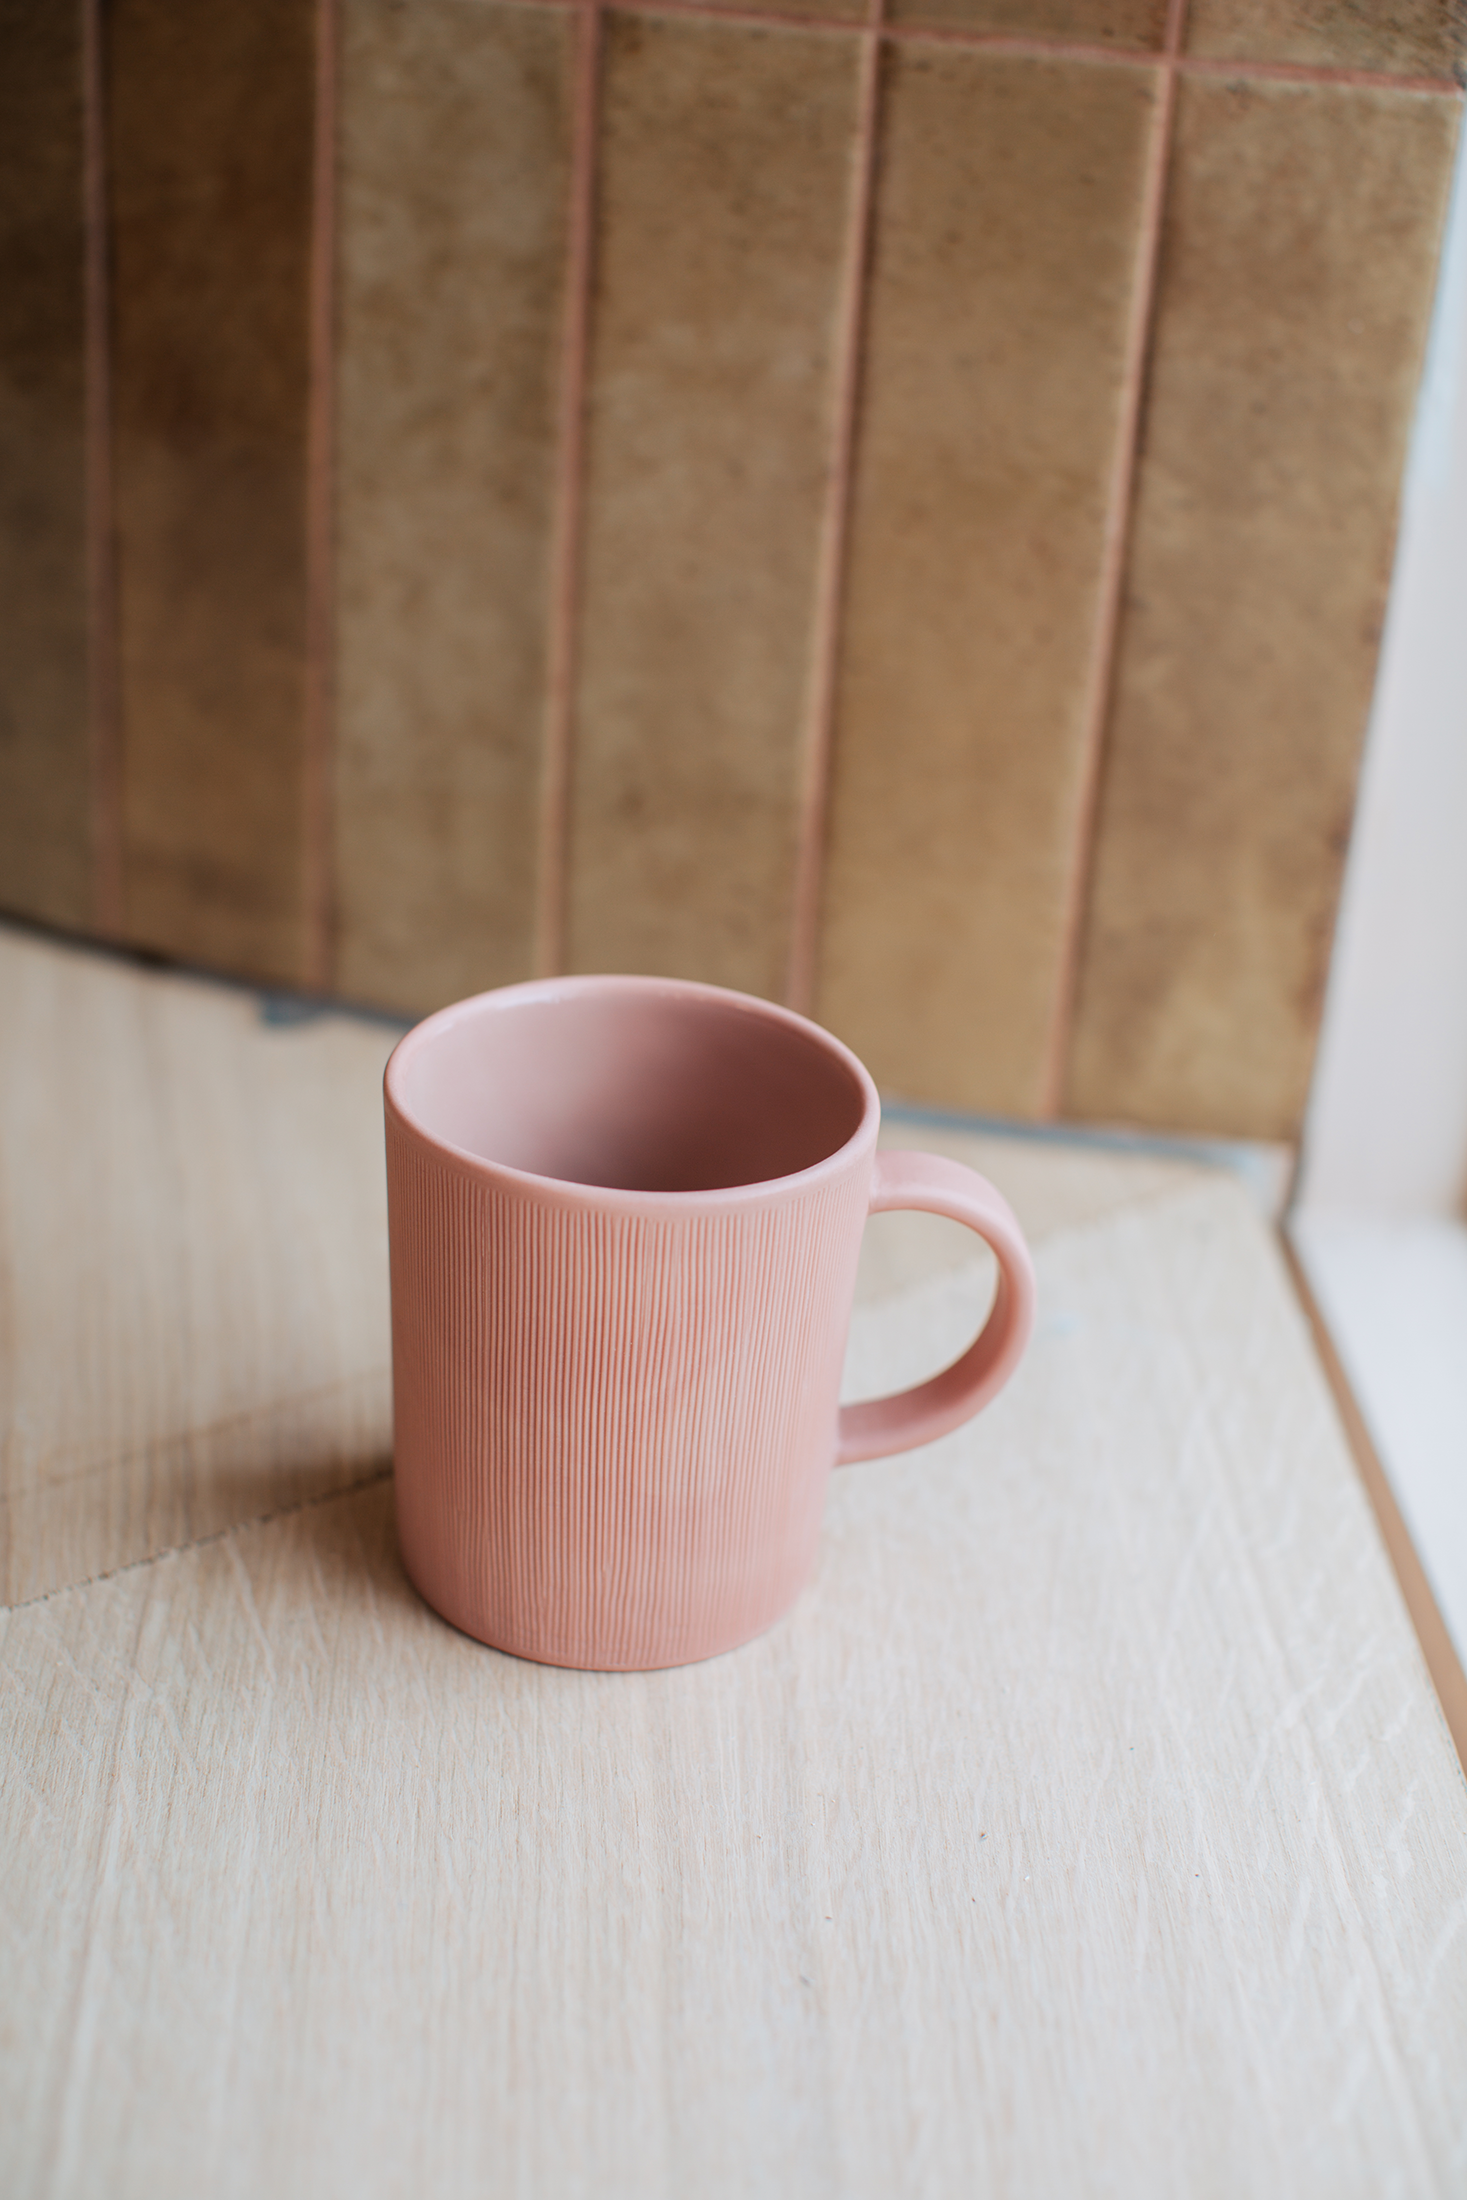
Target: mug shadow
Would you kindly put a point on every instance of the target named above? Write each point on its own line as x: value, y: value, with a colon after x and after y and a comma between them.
x: 333, y: 1527
x: 332, y: 1546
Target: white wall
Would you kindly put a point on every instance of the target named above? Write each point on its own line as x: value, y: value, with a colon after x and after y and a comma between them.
x: 1378, y: 1221
x: 1387, y: 1123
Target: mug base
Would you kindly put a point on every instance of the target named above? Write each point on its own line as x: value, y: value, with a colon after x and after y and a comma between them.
x: 652, y: 1650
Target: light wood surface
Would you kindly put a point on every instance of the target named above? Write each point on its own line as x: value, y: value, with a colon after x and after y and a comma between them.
x: 193, y: 1256
x: 193, y: 1290
x: 1089, y: 1828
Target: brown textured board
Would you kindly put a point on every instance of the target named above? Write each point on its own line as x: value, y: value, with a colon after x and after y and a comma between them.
x: 1295, y: 289
x: 723, y: 193
x: 44, y: 775
x: 1405, y: 38
x: 837, y: 11
x: 209, y: 116
x: 1004, y: 257
x: 1139, y: 25
x: 454, y: 172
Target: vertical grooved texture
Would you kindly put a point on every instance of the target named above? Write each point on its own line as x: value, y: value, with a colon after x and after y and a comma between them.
x: 613, y: 1429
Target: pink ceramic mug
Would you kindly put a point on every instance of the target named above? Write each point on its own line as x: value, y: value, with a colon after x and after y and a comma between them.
x: 625, y: 1217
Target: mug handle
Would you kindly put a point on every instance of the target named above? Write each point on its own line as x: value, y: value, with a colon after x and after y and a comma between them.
x: 910, y: 1417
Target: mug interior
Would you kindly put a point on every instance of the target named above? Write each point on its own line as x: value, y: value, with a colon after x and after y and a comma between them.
x: 632, y: 1087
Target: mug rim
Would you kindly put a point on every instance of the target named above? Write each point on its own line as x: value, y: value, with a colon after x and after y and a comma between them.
x: 616, y: 1197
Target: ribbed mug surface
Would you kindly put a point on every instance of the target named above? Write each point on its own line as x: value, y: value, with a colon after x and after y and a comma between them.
x: 616, y: 1374
x: 615, y: 1408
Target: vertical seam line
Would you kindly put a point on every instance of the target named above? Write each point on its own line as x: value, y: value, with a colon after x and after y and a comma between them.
x: 813, y: 798
x: 317, y: 867
x: 566, y: 544
x: 1116, y: 544
x: 104, y: 712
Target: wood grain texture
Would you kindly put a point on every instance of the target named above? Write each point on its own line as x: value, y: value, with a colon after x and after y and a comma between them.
x: 1293, y: 296
x: 45, y: 791
x: 724, y: 172
x: 454, y: 166
x: 193, y: 1278
x: 1089, y: 1827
